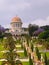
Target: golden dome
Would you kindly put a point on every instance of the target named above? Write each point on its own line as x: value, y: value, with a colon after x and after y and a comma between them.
x: 16, y: 19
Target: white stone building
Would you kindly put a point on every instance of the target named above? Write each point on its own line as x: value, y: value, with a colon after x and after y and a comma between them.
x: 16, y: 26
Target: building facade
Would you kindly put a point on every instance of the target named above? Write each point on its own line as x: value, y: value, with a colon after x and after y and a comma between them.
x: 16, y: 26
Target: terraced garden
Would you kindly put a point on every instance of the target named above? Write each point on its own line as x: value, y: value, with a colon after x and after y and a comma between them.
x: 21, y: 52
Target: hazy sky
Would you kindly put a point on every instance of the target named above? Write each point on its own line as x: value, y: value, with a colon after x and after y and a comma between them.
x: 30, y: 11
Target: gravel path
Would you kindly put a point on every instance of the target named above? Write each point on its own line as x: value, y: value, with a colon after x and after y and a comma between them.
x: 18, y: 45
x: 16, y: 51
x: 23, y: 60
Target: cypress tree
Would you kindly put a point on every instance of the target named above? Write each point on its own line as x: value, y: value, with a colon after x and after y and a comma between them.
x: 38, y: 54
x: 25, y: 52
x: 45, y: 57
x: 30, y: 60
x: 32, y: 47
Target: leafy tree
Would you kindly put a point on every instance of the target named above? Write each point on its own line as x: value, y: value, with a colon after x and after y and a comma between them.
x: 48, y: 39
x: 2, y: 30
x: 37, y: 32
x: 32, y: 28
x: 44, y: 35
x: 46, y: 27
x: 7, y: 34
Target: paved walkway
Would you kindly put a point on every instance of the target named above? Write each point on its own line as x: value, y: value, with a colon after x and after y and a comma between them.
x: 44, y: 51
x: 16, y: 51
x: 3, y: 60
x: 18, y: 45
x: 23, y: 60
x: 4, y: 51
x: 20, y: 51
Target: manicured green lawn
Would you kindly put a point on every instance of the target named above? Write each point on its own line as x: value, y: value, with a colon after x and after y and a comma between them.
x: 40, y: 48
x: 1, y: 55
x: 21, y: 55
x: 18, y: 48
x: 47, y: 53
x: 2, y: 47
x: 17, y: 41
x: 0, y: 63
x: 25, y: 63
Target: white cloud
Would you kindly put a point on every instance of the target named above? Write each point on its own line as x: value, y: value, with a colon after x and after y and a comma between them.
x: 7, y: 26
x: 27, y: 9
x: 41, y: 22
x: 39, y: 2
x: 12, y: 6
x: 25, y: 24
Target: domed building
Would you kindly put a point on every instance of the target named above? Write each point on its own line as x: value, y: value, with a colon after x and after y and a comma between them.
x: 16, y: 26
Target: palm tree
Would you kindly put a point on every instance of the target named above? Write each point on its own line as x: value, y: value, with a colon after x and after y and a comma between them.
x: 10, y: 57
x: 9, y: 43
